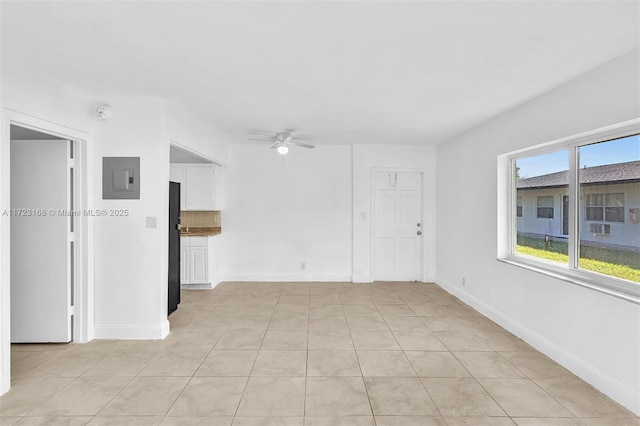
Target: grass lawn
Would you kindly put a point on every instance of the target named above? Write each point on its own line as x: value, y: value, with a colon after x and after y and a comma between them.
x: 607, y: 268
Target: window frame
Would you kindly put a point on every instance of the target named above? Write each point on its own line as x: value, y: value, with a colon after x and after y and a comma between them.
x: 507, y: 207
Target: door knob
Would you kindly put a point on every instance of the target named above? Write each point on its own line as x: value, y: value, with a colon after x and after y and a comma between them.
x: 178, y: 227
x: 419, y: 233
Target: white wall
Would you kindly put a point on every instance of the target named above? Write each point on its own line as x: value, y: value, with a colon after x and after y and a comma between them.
x: 280, y: 214
x: 131, y: 259
x: 368, y: 157
x: 595, y: 335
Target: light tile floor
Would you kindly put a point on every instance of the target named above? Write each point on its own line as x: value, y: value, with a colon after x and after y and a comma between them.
x: 321, y: 354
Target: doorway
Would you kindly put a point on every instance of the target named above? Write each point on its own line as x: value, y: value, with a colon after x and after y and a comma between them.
x: 80, y: 267
x: 397, y: 226
x: 42, y: 237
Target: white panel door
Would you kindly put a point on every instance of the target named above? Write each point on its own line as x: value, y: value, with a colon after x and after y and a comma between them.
x: 40, y: 250
x: 199, y: 265
x: 397, y: 226
x: 199, y: 189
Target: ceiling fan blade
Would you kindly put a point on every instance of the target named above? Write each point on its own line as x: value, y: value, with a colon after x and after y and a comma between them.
x: 302, y: 137
x: 259, y: 132
x: 262, y: 140
x: 275, y: 145
x: 304, y: 145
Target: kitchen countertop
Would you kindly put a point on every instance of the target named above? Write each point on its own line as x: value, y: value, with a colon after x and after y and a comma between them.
x: 194, y: 231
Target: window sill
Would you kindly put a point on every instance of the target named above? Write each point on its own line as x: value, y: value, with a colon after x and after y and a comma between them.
x: 622, y: 289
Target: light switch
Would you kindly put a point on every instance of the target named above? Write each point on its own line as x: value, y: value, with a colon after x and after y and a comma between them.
x: 152, y: 222
x: 362, y: 216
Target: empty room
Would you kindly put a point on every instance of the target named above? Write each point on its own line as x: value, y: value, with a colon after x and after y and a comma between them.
x: 320, y: 213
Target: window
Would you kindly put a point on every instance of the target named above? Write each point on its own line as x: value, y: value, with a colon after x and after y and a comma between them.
x: 588, y: 190
x: 605, y: 207
x: 545, y: 207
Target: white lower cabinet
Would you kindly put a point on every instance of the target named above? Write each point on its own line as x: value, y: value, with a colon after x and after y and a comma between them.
x: 194, y: 262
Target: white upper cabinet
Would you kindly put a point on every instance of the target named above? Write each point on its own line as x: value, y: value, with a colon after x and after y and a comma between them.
x: 197, y: 189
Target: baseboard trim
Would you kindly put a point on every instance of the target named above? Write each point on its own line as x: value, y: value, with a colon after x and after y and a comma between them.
x: 132, y: 332
x: 617, y: 391
x: 288, y: 277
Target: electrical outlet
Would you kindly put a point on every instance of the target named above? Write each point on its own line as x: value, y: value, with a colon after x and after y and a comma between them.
x: 464, y: 284
x: 303, y: 266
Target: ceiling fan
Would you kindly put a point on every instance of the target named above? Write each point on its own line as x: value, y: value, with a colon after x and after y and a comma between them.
x: 281, y: 141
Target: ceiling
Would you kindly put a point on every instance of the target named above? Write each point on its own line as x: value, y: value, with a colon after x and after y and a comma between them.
x: 345, y: 72
x: 179, y: 155
x: 17, y: 133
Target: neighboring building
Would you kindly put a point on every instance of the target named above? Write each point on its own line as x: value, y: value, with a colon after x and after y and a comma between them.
x: 609, y: 205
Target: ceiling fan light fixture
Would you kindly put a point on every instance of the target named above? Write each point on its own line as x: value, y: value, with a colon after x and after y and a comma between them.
x: 282, y: 149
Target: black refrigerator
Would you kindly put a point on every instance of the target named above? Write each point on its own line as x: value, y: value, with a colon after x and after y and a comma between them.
x: 174, y: 247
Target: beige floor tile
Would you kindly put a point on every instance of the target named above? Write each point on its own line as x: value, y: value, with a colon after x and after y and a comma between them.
x: 268, y: 421
x: 57, y: 421
x: 234, y: 339
x: 489, y: 365
x: 193, y: 421
x: 316, y: 300
x: 293, y: 299
x: 457, y: 341
x: 333, y: 363
x: 289, y: 310
x: 289, y: 322
x: 328, y: 323
x: 461, y: 397
x: 121, y: 364
x: 357, y: 310
x: 581, y: 398
x: 385, y: 364
x: 72, y: 364
x: 341, y: 396
x: 186, y: 339
x: 427, y: 309
x: 409, y: 421
x: 339, y: 421
x: 418, y: 341
x: 228, y: 363
x: 209, y: 396
x: 436, y: 364
x: 348, y: 299
x: 400, y: 310
x: 125, y: 420
x: 29, y: 393
x: 328, y: 310
x: 370, y: 322
x: 273, y: 396
x: 444, y: 323
x: 535, y: 365
x: 330, y: 340
x: 250, y: 322
x: 86, y: 396
x: 405, y: 323
x: 374, y: 341
x: 175, y: 364
x: 547, y: 421
x: 24, y: 362
x: 253, y: 310
x: 399, y: 397
x: 286, y: 340
x: 280, y: 363
x: 9, y: 421
x: 479, y: 421
x: 146, y: 396
x: 523, y: 398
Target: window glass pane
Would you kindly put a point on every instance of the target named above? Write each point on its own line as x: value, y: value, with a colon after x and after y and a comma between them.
x: 609, y: 243
x: 542, y: 182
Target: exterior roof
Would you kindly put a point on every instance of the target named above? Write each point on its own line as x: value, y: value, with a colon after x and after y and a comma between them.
x: 599, y: 175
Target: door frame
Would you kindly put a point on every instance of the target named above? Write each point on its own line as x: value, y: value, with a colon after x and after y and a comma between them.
x: 84, y: 228
x: 423, y: 196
